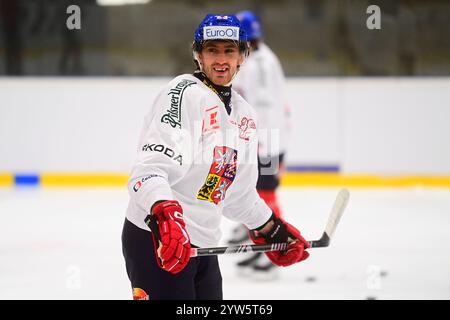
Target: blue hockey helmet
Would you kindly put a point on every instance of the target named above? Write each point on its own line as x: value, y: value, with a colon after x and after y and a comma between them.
x: 251, y: 23
x: 220, y: 27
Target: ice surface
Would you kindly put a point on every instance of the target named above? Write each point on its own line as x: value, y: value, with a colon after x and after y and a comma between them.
x: 390, y: 244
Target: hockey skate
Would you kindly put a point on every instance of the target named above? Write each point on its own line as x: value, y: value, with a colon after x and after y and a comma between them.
x: 239, y: 235
x: 258, y: 267
x: 245, y: 266
x: 264, y: 270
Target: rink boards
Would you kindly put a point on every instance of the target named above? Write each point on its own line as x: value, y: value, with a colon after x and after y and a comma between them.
x: 290, y: 179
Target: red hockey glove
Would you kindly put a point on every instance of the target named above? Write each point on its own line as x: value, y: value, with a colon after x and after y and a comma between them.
x: 172, y: 243
x: 281, y: 232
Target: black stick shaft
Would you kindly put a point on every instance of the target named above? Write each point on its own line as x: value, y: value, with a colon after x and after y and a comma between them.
x: 198, y: 252
x: 333, y: 220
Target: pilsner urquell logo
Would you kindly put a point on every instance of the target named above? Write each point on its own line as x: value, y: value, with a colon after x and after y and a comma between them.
x: 173, y: 115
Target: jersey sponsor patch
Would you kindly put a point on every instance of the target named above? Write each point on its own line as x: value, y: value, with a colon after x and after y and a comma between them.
x: 138, y: 184
x: 140, y: 294
x: 211, y: 121
x: 164, y: 150
x: 221, y: 175
x: 173, y: 115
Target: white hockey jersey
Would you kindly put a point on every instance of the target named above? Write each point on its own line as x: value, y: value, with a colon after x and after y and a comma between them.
x: 191, y: 150
x: 261, y: 82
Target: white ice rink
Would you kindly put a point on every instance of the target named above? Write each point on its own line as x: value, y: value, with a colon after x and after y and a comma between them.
x: 390, y: 244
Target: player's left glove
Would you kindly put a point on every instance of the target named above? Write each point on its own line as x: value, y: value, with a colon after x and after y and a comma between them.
x: 282, y: 232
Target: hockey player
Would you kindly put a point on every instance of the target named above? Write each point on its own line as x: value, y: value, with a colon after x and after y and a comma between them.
x: 261, y: 83
x: 197, y: 160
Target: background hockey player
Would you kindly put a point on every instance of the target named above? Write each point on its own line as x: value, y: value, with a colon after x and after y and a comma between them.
x: 197, y: 160
x: 261, y: 82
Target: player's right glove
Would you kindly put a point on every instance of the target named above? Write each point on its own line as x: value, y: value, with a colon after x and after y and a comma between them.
x: 282, y: 232
x: 172, y: 243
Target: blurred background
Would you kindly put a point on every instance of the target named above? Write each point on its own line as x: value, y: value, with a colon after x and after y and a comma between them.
x: 152, y: 38
x: 370, y: 111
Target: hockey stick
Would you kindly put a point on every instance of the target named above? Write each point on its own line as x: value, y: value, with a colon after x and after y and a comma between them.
x: 336, y: 213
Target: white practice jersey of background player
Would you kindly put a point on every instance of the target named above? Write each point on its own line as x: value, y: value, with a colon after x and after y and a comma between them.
x: 191, y: 150
x: 261, y: 82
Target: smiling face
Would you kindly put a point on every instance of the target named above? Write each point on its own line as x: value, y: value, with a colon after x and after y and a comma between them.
x: 220, y: 60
